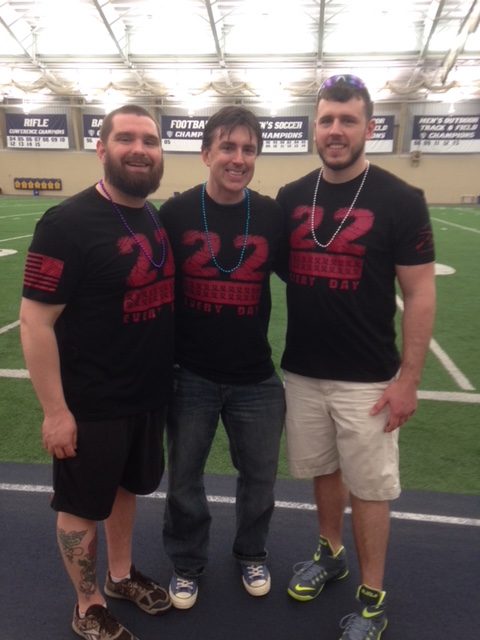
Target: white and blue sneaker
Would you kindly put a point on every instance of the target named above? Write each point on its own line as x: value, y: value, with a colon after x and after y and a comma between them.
x: 256, y: 578
x: 183, y: 591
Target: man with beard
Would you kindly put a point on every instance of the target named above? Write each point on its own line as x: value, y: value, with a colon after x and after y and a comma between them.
x: 354, y: 230
x: 97, y: 334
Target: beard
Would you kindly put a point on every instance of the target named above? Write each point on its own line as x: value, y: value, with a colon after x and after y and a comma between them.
x: 340, y: 166
x: 136, y: 185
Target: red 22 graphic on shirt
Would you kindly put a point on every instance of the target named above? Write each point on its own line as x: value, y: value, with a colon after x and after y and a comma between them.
x: 248, y: 271
x: 358, y: 224
x: 143, y: 272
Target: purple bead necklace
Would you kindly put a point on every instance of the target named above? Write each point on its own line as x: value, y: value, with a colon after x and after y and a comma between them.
x: 118, y: 211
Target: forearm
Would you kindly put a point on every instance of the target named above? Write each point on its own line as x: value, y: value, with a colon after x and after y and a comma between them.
x: 417, y: 326
x: 41, y: 356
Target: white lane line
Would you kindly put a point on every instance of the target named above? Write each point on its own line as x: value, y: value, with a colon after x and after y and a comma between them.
x: 458, y: 226
x: 280, y: 504
x: 450, y: 367
x: 399, y: 515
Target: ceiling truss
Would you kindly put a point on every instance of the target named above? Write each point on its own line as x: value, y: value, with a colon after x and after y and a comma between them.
x: 221, y: 69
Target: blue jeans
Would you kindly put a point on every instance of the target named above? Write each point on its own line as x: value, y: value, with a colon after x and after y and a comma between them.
x: 253, y: 415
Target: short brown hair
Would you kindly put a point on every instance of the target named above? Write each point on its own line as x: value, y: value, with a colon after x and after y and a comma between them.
x: 127, y: 109
x: 229, y: 118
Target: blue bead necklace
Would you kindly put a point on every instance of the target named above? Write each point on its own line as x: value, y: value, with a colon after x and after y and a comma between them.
x: 116, y: 208
x: 245, y: 235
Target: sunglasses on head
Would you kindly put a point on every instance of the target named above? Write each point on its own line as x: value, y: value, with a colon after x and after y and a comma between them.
x: 346, y: 78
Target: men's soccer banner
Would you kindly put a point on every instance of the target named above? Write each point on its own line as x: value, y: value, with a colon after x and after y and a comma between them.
x: 39, y: 131
x: 91, y: 130
x: 446, y: 134
x: 285, y: 135
x: 280, y: 135
x: 383, y: 134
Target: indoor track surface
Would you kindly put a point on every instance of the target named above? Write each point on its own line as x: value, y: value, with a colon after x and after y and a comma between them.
x: 433, y: 570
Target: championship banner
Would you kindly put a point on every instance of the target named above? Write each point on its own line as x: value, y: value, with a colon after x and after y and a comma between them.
x: 285, y: 135
x: 39, y: 131
x: 91, y: 131
x: 280, y: 135
x: 383, y: 134
x: 183, y: 134
x: 446, y: 134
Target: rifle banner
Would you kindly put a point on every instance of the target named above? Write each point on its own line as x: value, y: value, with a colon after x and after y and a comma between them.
x: 39, y: 131
x: 446, y: 134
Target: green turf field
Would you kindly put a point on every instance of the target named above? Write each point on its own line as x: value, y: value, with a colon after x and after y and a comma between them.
x: 440, y: 446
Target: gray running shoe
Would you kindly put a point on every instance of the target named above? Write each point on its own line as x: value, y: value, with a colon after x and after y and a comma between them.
x: 359, y: 628
x: 99, y: 624
x: 311, y: 576
x: 371, y: 622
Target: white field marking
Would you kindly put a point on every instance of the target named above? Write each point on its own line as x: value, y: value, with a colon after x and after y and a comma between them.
x: 450, y: 396
x: 450, y: 367
x: 439, y: 396
x: 8, y: 327
x: 16, y: 238
x: 443, y: 270
x: 14, y: 373
x: 458, y: 226
x: 279, y: 504
x: 21, y: 215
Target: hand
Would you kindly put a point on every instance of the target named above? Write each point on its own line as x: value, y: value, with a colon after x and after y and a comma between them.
x: 59, y: 434
x: 401, y: 398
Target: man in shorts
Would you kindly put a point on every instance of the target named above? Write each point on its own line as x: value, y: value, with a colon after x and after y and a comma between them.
x: 355, y: 229
x: 97, y: 332
x: 225, y: 240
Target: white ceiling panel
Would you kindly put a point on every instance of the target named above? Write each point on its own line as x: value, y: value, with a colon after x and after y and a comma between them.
x: 265, y: 51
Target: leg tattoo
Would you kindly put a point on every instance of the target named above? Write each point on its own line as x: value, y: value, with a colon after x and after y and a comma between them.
x: 86, y: 558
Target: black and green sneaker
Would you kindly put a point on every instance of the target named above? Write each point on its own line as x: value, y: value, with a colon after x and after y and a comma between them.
x: 371, y: 622
x: 311, y: 576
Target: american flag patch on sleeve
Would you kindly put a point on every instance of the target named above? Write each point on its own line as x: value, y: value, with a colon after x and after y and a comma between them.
x: 42, y: 272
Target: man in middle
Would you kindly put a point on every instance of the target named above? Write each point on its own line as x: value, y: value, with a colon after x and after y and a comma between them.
x: 226, y: 240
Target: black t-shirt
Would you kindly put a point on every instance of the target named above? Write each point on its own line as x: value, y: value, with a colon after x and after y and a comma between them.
x: 341, y: 299
x: 222, y: 312
x: 115, y: 335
